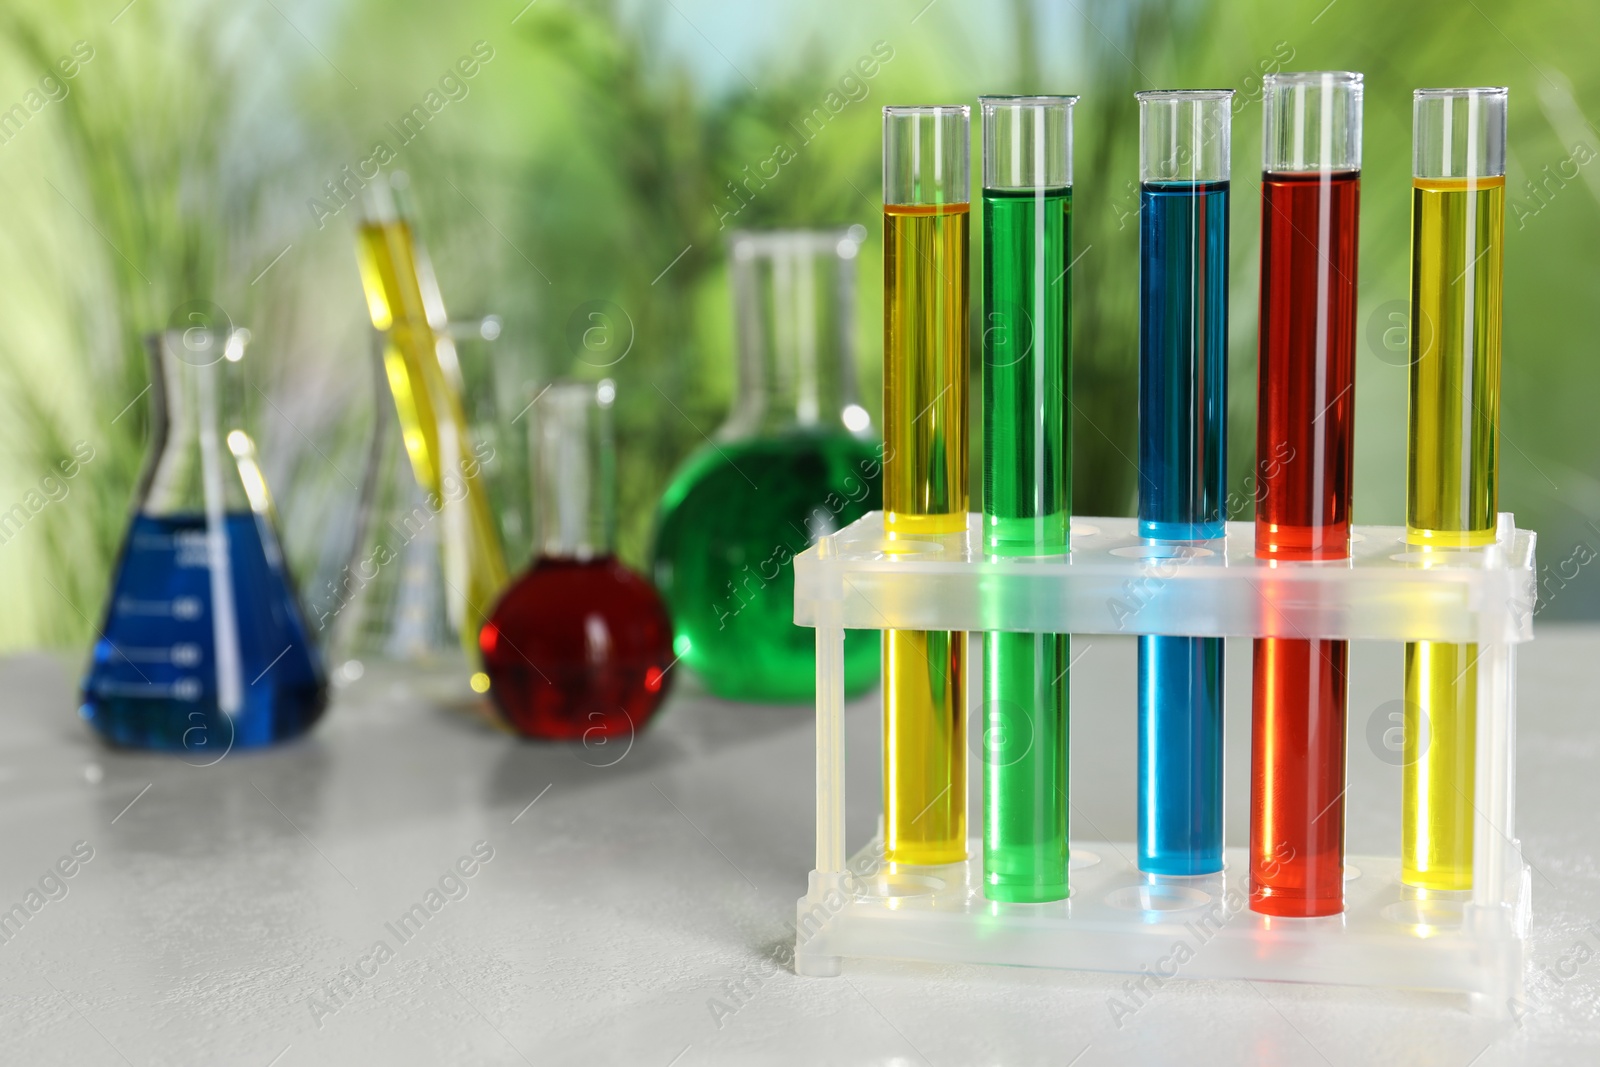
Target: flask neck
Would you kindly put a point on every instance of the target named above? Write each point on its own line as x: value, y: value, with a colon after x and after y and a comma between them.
x: 794, y: 331
x: 198, y: 446
x: 574, y: 471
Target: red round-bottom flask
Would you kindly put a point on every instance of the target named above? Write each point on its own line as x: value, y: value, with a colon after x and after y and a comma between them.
x: 577, y: 649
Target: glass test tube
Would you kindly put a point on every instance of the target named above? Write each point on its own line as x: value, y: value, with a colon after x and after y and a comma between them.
x: 1027, y: 244
x: 1452, y: 454
x: 1311, y: 187
x: 424, y: 374
x: 1183, y: 360
x: 926, y: 201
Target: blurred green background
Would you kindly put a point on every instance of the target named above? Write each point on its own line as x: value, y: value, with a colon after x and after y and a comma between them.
x: 590, y: 162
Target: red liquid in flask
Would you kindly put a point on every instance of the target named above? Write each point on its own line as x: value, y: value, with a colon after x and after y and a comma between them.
x: 577, y: 650
x: 1304, y: 441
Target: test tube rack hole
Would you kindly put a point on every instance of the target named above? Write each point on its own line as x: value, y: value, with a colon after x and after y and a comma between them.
x: 1117, y: 918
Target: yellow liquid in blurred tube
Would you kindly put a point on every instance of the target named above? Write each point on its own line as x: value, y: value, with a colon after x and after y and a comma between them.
x: 420, y: 362
x: 925, y: 492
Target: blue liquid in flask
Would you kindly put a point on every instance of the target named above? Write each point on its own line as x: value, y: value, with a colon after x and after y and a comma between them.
x: 156, y: 678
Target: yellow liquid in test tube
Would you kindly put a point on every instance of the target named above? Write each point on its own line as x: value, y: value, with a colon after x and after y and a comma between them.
x: 419, y: 359
x: 926, y: 293
x: 1457, y: 240
x: 1453, y: 453
x: 1440, y: 753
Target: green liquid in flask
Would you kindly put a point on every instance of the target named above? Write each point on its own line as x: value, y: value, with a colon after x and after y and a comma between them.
x: 729, y: 527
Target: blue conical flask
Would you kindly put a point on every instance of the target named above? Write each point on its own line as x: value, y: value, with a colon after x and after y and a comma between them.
x: 203, y: 648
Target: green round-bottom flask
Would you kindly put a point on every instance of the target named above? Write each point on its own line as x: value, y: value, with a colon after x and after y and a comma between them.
x: 796, y: 459
x: 729, y: 527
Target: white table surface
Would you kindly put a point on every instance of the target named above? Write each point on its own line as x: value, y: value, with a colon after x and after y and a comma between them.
x: 632, y: 913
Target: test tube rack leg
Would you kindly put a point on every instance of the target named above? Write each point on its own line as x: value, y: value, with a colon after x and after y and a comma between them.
x: 1116, y: 918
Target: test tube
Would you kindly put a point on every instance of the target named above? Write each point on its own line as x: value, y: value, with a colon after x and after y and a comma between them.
x: 1183, y: 364
x: 424, y: 376
x: 926, y: 203
x: 1452, y: 454
x: 1027, y: 243
x: 1310, y: 204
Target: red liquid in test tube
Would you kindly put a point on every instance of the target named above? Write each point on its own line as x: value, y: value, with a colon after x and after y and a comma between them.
x: 1306, y: 417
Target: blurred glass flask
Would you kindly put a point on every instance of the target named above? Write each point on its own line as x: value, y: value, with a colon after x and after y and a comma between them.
x: 425, y: 377
x: 203, y: 647
x: 579, y: 646
x: 390, y: 600
x: 796, y: 459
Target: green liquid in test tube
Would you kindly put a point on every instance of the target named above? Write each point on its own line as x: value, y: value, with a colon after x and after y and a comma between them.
x: 1027, y: 243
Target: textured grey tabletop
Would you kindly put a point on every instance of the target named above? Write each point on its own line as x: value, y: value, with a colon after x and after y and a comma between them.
x: 629, y: 903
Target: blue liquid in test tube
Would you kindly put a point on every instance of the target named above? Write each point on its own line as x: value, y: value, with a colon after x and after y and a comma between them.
x: 1183, y: 332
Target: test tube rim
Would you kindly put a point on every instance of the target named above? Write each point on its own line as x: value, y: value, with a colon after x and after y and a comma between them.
x: 1460, y: 93
x: 1144, y: 95
x: 899, y: 110
x: 1025, y: 99
x: 1352, y: 78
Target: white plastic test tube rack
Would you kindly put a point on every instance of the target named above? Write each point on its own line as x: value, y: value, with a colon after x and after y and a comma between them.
x: 1116, y: 918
